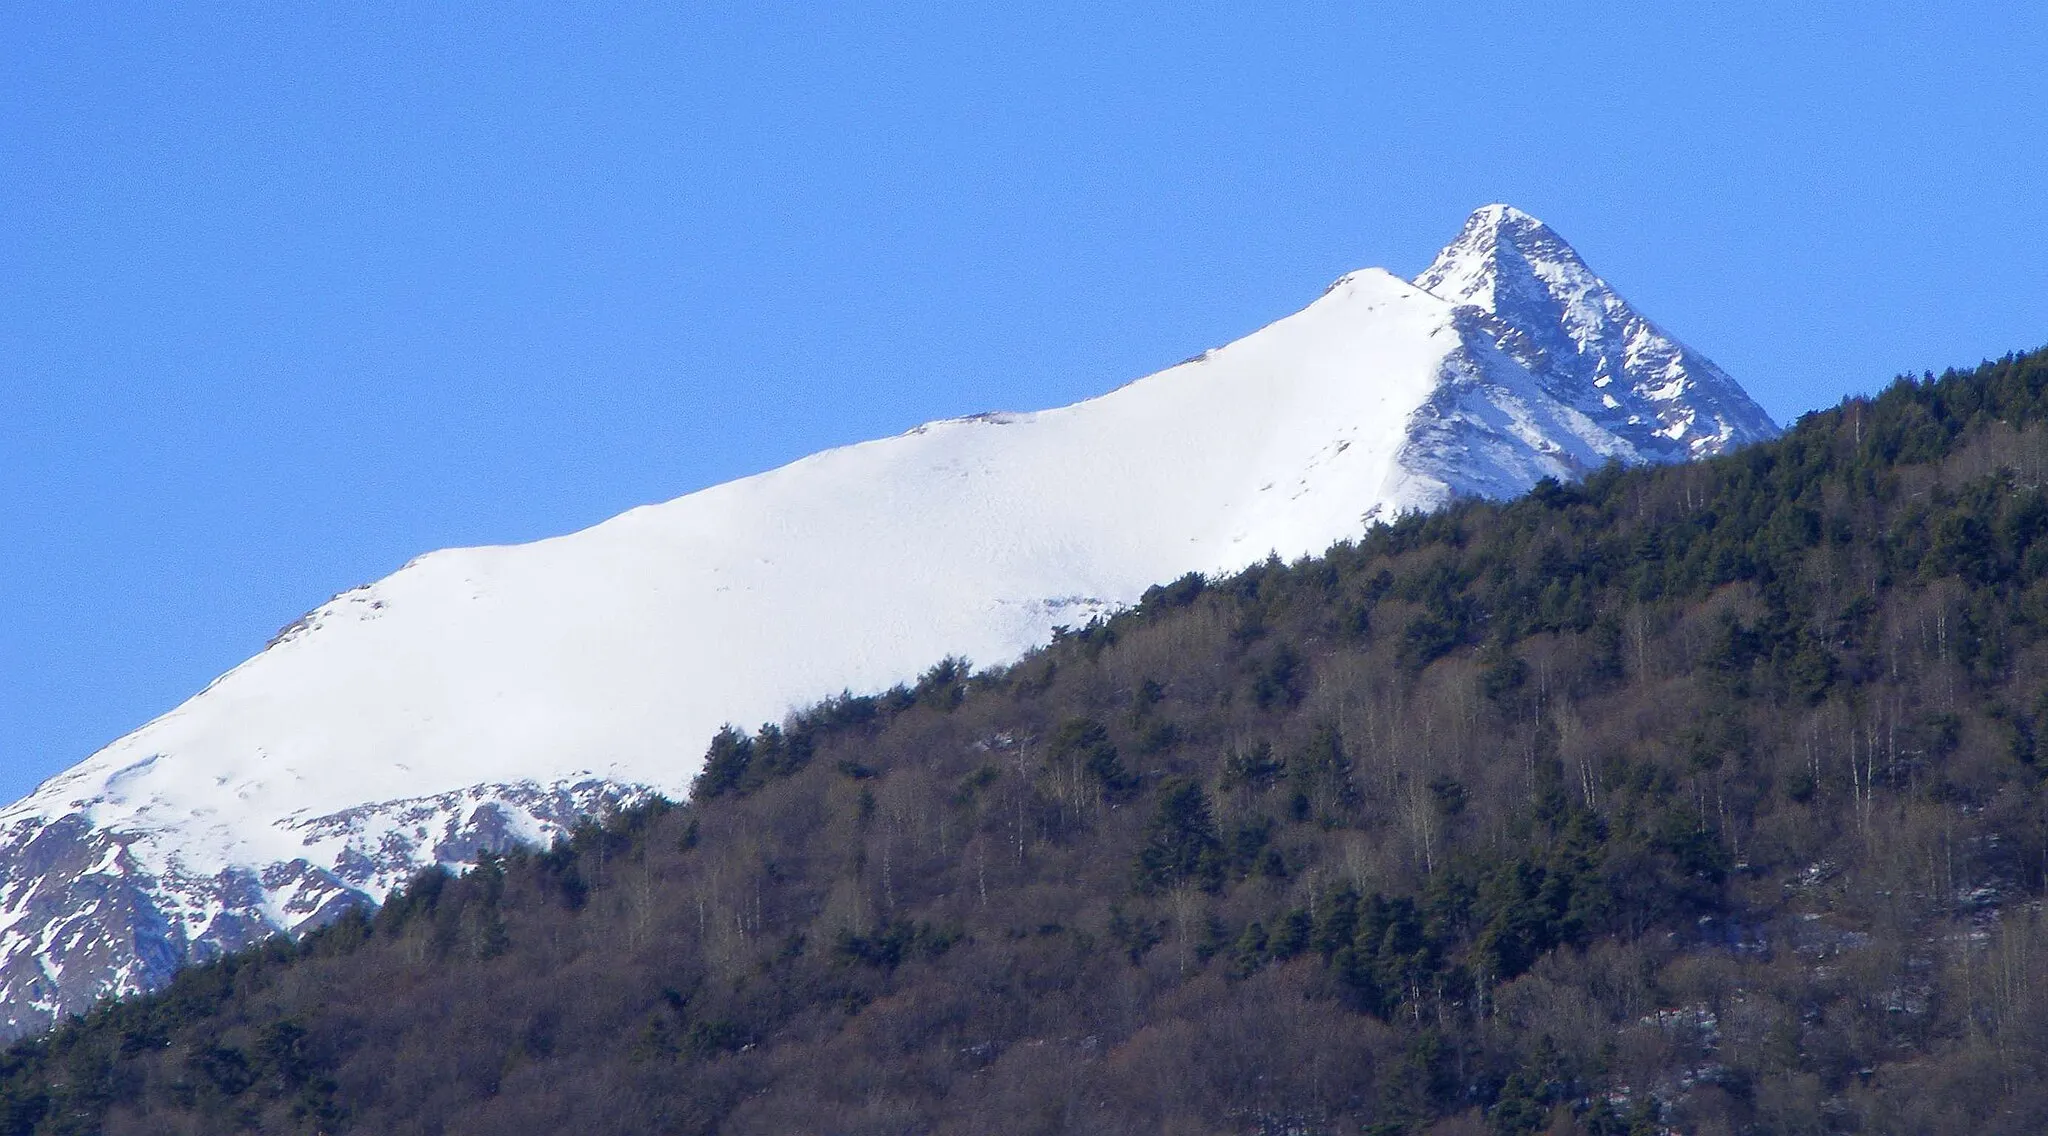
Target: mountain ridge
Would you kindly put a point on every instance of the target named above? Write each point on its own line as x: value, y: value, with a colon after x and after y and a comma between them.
x: 521, y: 686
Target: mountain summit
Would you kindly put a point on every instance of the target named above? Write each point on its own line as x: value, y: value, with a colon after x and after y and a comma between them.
x: 482, y: 696
x: 1549, y: 312
x: 1499, y: 251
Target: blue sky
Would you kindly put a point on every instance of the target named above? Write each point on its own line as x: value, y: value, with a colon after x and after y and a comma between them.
x: 289, y: 295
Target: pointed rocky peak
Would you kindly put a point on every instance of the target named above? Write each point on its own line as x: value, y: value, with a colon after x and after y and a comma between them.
x: 1504, y: 253
x: 1526, y: 289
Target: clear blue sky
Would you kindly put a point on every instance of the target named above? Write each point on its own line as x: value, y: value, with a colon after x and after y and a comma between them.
x: 291, y: 293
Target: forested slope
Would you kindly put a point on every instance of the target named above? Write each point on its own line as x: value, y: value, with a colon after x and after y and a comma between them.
x: 1705, y: 797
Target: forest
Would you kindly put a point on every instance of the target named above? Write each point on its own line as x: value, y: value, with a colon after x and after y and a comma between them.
x: 1702, y: 799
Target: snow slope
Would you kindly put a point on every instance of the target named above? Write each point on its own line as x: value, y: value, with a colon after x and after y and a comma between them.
x: 483, y: 695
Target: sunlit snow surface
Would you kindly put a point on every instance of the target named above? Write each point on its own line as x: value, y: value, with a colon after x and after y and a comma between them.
x: 482, y: 696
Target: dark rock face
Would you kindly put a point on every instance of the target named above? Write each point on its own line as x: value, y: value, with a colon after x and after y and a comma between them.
x: 85, y: 916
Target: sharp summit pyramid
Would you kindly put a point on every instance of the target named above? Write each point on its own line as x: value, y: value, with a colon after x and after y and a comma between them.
x: 480, y: 696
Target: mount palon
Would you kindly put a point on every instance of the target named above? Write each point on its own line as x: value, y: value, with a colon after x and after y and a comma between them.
x: 483, y: 696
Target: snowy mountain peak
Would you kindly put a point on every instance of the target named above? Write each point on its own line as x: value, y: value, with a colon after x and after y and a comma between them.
x: 1503, y: 251
x: 483, y: 696
x: 1531, y: 293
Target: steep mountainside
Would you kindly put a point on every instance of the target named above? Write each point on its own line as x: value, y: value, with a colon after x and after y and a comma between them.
x: 483, y: 696
x: 1705, y: 799
x: 1518, y: 284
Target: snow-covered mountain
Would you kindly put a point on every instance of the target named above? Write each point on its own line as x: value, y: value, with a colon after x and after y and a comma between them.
x: 481, y: 696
